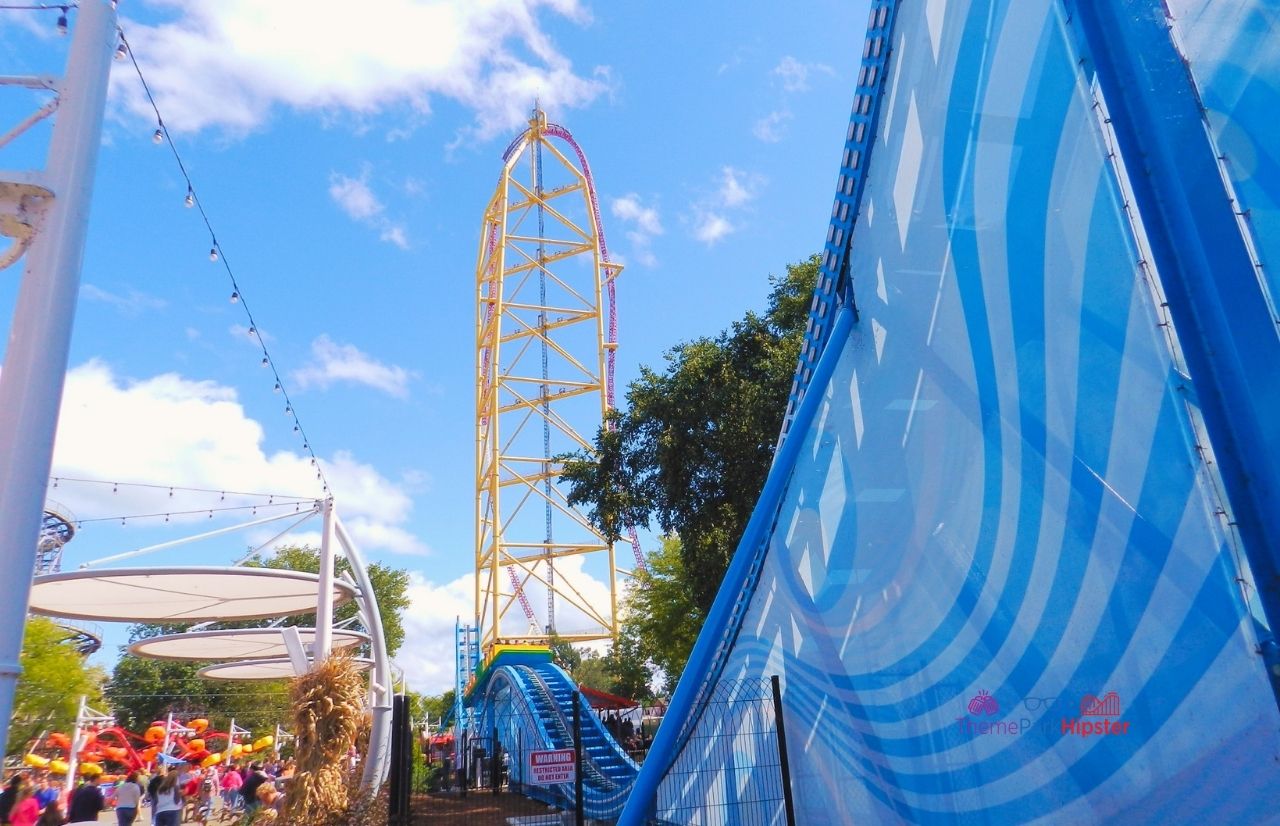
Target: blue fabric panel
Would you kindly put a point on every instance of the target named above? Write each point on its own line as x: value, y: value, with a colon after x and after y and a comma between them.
x: 999, y: 540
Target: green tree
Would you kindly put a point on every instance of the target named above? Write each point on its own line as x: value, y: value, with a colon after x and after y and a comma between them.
x: 662, y: 620
x: 593, y: 671
x: 54, y: 677
x: 142, y: 691
x: 564, y: 654
x: 693, y: 448
x: 390, y: 586
x: 629, y: 666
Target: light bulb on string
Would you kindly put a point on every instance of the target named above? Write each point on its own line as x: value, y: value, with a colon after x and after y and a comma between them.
x: 253, y: 331
x: 213, y: 253
x: 62, y: 21
x: 277, y: 387
x: 288, y: 410
x: 266, y: 362
x: 158, y: 135
x: 121, y: 51
x: 190, y: 200
x: 235, y: 296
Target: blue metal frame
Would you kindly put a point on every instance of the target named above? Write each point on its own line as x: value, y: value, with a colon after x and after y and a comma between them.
x: 719, y: 630
x: 1228, y: 337
x: 834, y: 288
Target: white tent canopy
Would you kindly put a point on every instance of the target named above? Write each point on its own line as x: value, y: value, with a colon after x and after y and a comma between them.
x: 179, y: 594
x: 276, y: 668
x: 234, y: 644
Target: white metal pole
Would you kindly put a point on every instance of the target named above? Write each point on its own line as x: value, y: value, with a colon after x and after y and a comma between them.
x: 323, y: 642
x: 77, y: 743
x: 40, y: 335
x: 376, y: 764
x: 168, y: 727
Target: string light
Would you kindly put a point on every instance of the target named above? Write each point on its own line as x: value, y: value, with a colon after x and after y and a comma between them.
x: 62, y: 21
x: 121, y: 51
x: 215, y: 252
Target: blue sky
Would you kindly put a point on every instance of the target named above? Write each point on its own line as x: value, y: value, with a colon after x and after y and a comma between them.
x: 344, y: 153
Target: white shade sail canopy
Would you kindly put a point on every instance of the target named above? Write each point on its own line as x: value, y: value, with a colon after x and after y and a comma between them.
x: 234, y: 644
x: 179, y: 594
x: 276, y: 668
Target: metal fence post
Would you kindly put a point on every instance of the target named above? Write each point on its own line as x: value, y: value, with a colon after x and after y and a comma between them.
x: 579, y: 816
x: 783, y: 765
x: 495, y: 762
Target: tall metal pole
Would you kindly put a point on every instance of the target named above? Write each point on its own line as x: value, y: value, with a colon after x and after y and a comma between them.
x: 77, y: 743
x: 40, y: 335
x: 323, y: 642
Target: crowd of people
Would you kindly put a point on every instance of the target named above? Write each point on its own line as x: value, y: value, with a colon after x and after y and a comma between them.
x: 184, y: 793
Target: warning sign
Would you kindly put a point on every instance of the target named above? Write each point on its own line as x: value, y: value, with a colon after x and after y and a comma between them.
x: 548, y: 767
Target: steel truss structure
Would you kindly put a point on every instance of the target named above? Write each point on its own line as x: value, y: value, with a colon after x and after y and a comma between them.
x: 544, y: 365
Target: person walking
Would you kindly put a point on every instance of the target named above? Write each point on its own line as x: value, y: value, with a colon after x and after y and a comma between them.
x: 231, y: 783
x: 7, y: 797
x: 26, y: 809
x: 87, y: 802
x: 128, y: 796
x: 168, y: 804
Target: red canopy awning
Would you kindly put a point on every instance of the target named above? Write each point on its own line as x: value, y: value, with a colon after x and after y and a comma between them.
x: 605, y: 700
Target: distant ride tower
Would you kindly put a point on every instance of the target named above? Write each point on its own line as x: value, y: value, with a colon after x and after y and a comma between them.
x: 544, y: 365
x: 56, y: 530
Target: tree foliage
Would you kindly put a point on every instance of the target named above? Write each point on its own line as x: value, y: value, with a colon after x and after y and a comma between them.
x: 390, y: 586
x: 662, y: 620
x: 692, y: 450
x: 54, y: 677
x: 142, y: 691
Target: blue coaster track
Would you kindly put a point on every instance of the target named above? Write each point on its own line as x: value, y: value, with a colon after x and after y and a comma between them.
x: 528, y: 706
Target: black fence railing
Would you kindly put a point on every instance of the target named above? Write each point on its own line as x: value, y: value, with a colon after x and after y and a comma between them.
x: 732, y: 765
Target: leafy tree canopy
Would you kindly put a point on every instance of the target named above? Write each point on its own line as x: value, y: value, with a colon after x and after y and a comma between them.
x: 54, y: 677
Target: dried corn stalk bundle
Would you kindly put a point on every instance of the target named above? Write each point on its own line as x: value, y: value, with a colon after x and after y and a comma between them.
x: 328, y: 706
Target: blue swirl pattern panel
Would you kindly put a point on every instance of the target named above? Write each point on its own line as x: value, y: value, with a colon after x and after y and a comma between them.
x: 996, y: 589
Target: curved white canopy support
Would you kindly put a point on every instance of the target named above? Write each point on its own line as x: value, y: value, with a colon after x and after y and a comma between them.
x: 376, y: 762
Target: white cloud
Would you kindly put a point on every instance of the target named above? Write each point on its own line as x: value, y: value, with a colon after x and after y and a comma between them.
x: 645, y: 224
x: 710, y: 227
x: 131, y: 304
x: 171, y: 430
x: 434, y: 607
x: 734, y: 191
x: 333, y: 362
x: 795, y: 75
x: 629, y: 208
x: 229, y: 63
x: 736, y: 188
x: 354, y: 196
x: 772, y: 127
x: 394, y: 234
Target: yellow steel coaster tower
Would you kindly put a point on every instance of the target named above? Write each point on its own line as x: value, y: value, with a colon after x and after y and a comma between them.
x: 543, y: 390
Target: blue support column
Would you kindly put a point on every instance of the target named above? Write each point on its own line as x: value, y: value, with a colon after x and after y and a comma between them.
x: 1216, y: 299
